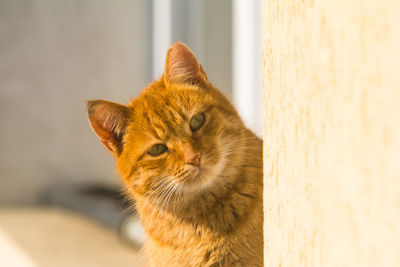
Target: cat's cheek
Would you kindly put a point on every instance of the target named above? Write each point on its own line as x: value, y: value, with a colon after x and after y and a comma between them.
x: 214, y: 159
x: 125, y: 169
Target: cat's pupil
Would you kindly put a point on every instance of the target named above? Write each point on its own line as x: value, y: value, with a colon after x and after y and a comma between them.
x: 157, y: 149
x: 197, y: 121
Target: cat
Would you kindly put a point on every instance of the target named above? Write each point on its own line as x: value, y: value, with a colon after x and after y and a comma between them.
x: 190, y: 164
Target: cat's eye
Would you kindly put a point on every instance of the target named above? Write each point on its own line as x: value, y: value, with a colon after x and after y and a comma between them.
x: 197, y: 121
x: 158, y: 149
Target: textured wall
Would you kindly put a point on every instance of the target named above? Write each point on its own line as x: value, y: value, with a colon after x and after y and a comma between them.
x: 332, y: 133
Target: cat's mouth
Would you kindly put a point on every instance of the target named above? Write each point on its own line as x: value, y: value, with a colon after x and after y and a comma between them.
x: 194, y: 176
x: 202, y: 171
x: 198, y: 178
x: 194, y: 173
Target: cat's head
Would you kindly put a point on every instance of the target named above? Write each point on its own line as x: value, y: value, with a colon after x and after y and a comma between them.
x: 180, y: 132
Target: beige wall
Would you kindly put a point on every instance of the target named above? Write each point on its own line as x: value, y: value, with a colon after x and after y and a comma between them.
x: 332, y: 133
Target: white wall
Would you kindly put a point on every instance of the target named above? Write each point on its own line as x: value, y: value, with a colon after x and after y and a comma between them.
x: 247, y: 62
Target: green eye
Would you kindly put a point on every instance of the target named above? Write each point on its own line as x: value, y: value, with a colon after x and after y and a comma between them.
x: 197, y: 121
x: 157, y: 149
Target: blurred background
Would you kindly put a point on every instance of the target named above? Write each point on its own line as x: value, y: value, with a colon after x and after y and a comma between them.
x: 60, y: 200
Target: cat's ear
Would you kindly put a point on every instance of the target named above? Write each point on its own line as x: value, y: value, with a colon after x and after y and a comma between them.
x: 182, y: 67
x: 108, y: 121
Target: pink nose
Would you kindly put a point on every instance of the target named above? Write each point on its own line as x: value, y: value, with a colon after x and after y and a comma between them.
x: 194, y: 160
x: 190, y: 156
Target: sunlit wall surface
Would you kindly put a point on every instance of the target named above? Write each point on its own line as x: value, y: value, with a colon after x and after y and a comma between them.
x: 332, y: 133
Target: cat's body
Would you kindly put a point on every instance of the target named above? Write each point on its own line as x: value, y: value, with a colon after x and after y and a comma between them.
x: 192, y: 167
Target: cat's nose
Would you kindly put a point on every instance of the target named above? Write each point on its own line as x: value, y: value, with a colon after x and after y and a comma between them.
x: 191, y: 156
x: 194, y: 160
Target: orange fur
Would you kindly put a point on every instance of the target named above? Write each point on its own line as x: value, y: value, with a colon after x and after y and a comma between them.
x: 200, y: 202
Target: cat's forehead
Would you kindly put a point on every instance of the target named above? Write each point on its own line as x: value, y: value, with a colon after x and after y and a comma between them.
x: 164, y: 114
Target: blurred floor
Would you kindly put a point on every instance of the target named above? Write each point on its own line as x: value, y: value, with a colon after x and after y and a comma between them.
x: 51, y: 237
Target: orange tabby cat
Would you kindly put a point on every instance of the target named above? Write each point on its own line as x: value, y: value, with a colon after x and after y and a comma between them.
x: 191, y: 165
